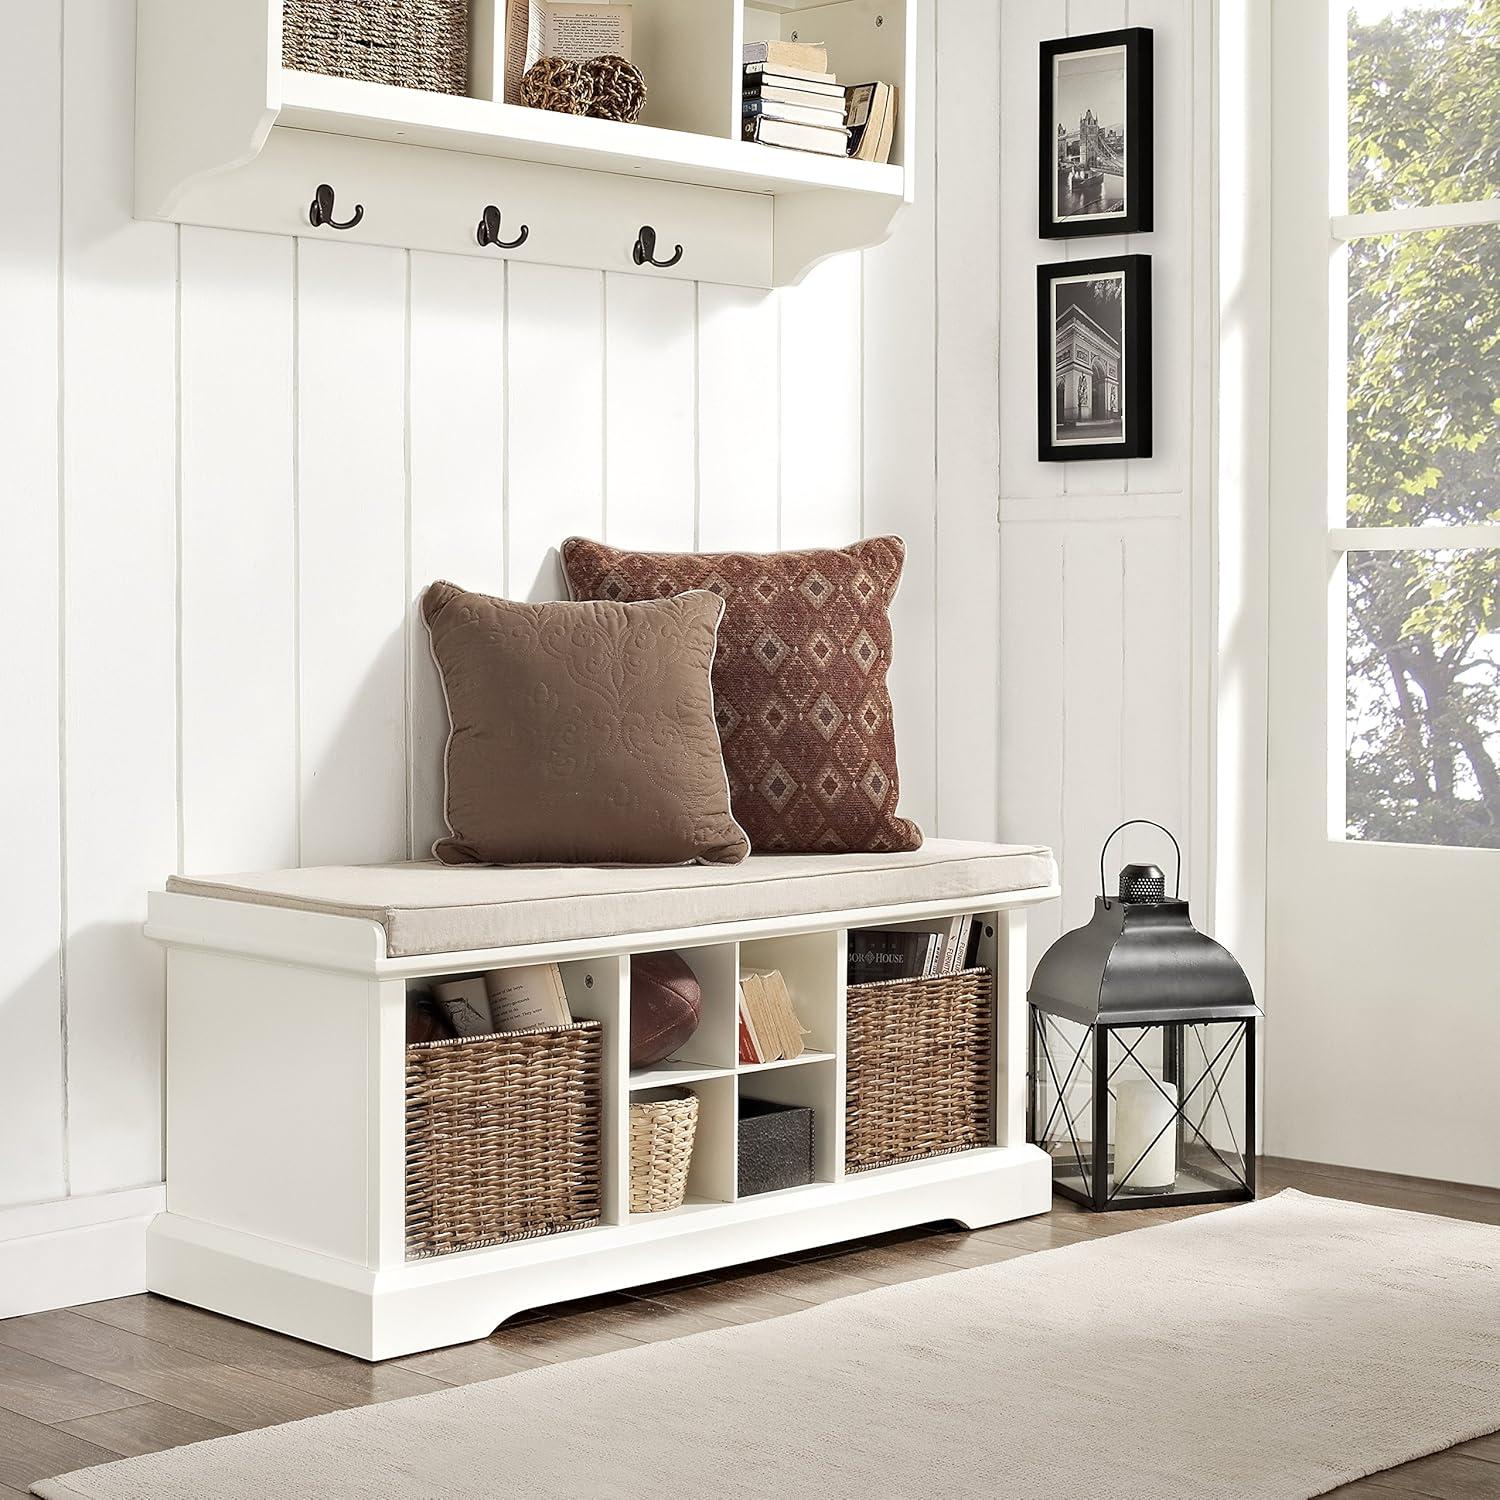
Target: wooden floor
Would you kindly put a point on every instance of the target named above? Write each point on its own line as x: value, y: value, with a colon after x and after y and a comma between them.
x: 84, y: 1385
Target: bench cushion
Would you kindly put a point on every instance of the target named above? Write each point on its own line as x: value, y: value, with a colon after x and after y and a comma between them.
x: 426, y: 907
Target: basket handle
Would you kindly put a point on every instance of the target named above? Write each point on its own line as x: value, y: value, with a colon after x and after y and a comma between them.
x: 1131, y: 823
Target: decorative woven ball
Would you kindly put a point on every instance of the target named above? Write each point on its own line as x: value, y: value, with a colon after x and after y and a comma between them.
x: 666, y: 1006
x: 618, y: 88
x: 558, y: 84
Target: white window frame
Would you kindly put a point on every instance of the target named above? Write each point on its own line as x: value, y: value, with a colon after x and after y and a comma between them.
x: 1343, y: 229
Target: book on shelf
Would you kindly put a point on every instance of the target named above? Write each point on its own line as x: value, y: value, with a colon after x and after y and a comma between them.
x: 466, y: 1003
x: 871, y: 117
x: 560, y: 28
x: 526, y: 996
x: 770, y: 1030
x: 829, y: 114
x: 821, y: 139
x: 811, y: 56
x: 757, y: 75
x: 778, y: 93
x: 877, y: 954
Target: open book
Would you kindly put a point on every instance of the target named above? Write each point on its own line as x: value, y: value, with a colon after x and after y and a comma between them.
x: 560, y: 28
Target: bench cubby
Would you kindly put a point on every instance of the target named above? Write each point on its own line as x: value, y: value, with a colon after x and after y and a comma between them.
x: 287, y: 1150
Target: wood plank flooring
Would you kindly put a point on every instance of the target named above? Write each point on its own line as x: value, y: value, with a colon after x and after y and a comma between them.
x: 84, y: 1385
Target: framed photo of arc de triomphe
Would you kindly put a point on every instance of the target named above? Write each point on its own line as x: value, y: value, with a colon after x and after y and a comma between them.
x: 1094, y: 358
x: 1095, y: 144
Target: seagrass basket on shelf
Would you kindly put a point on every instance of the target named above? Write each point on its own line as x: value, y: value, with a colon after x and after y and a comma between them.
x: 663, y: 1124
x: 502, y: 1137
x: 919, y: 1078
x: 410, y: 44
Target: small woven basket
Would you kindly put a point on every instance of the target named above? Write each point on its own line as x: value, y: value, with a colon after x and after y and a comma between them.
x: 918, y: 1079
x: 411, y: 44
x: 663, y: 1123
x: 502, y: 1137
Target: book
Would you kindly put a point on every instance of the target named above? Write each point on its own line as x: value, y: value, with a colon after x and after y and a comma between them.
x: 770, y: 1029
x: 871, y: 117
x: 824, y: 140
x: 813, y: 56
x: 749, y: 1047
x: 951, y: 949
x: 560, y: 28
x: 527, y: 996
x: 797, y: 78
x: 801, y: 114
x: 879, y: 953
x: 466, y: 1004
x: 778, y: 93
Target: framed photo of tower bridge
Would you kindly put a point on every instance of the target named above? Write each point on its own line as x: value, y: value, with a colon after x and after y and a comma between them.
x: 1094, y: 358
x: 1095, y: 146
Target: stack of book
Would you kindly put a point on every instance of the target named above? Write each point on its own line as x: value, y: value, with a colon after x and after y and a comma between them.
x: 505, y: 1000
x: 880, y: 953
x: 792, y: 100
x: 769, y: 1028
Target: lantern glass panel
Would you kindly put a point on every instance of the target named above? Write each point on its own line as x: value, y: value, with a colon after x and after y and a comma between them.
x: 1062, y: 1098
x: 1177, y: 1109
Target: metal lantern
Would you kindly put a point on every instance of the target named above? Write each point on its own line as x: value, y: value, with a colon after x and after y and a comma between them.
x: 1143, y: 1053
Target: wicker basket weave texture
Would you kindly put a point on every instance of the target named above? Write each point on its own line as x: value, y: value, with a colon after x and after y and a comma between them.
x: 502, y: 1137
x: 411, y: 44
x: 918, y: 1080
x: 661, y: 1150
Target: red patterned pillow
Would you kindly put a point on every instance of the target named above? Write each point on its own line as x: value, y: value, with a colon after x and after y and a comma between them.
x: 799, y: 682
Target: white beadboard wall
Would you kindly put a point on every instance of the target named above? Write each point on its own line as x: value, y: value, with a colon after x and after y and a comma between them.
x: 1075, y: 695
x: 232, y: 462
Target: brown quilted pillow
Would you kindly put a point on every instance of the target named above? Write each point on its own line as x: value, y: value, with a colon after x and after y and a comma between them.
x: 799, y: 682
x: 581, y: 733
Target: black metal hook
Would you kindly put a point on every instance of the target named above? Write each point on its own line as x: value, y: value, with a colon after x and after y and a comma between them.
x: 644, y: 253
x: 320, y: 210
x: 488, y: 232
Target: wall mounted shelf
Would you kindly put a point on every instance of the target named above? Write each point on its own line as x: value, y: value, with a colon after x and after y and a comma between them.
x: 227, y: 137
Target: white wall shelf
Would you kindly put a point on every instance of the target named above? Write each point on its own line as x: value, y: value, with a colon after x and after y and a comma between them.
x: 228, y: 138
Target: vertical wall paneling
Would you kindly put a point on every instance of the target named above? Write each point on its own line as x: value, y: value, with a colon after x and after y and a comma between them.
x: 900, y: 335
x: 351, y: 506
x: 739, y: 419
x: 1024, y: 24
x: 119, y: 412
x: 238, y: 531
x: 31, y: 1046
x: 967, y: 189
x: 456, y: 440
x: 651, y: 395
x: 821, y: 459
x: 555, y: 400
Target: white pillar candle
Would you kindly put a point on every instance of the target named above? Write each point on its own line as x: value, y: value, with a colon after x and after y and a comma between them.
x: 1143, y: 1116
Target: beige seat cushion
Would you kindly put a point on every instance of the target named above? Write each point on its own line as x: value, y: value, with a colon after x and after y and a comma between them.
x: 426, y: 907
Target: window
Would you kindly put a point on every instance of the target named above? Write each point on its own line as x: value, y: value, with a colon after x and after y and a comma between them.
x: 1420, y: 542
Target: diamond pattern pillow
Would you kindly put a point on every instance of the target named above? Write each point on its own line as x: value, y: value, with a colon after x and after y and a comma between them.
x: 800, y: 692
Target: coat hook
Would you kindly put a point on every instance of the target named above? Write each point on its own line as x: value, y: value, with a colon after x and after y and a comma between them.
x: 645, y: 250
x: 488, y: 232
x: 320, y: 210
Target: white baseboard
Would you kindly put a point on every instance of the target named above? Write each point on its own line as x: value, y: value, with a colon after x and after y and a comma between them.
x: 75, y: 1250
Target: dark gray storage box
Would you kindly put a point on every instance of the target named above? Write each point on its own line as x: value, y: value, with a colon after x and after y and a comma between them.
x: 776, y: 1146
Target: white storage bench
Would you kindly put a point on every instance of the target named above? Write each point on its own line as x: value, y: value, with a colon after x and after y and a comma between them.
x: 286, y: 1056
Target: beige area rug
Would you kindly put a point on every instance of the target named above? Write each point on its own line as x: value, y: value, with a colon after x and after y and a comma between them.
x: 1274, y: 1350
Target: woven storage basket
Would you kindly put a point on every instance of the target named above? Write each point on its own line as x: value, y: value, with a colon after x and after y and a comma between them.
x: 662, y: 1126
x: 502, y: 1137
x: 413, y: 44
x: 918, y: 1080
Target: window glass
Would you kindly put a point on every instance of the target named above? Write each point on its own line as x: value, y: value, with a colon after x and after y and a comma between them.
x: 1424, y: 378
x: 1423, y: 697
x: 1424, y: 102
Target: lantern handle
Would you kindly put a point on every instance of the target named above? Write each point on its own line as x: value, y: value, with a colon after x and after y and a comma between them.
x: 1131, y: 823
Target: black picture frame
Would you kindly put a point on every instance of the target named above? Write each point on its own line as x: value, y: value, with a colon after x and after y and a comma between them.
x: 1074, y: 159
x: 1094, y: 359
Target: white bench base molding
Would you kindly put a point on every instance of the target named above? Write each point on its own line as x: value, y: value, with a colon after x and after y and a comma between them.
x: 286, y: 1052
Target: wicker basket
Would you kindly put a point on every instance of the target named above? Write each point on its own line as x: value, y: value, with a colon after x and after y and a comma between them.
x: 663, y: 1123
x: 918, y: 1081
x: 502, y: 1137
x: 413, y: 44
